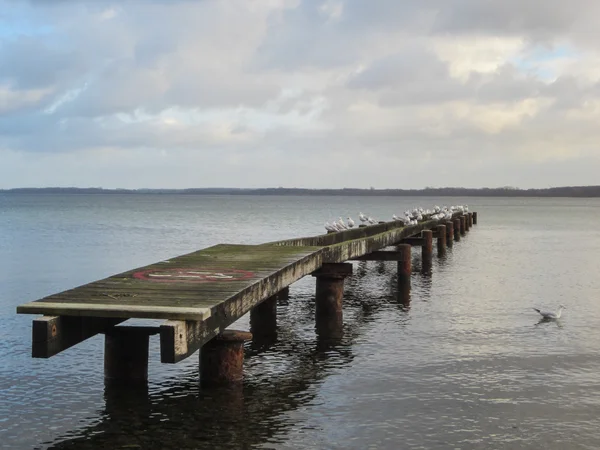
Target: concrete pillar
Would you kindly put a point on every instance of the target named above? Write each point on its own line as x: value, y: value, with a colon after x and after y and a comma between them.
x: 427, y: 251
x: 329, y: 298
x: 457, y: 229
x: 126, y: 355
x: 475, y: 218
x: 404, y: 267
x: 441, y: 240
x: 449, y: 233
x: 263, y: 318
x: 222, y: 358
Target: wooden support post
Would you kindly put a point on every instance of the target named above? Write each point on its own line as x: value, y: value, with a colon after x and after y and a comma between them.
x: 427, y: 251
x: 329, y: 296
x: 404, y: 267
x: 475, y: 218
x: 467, y: 222
x: 222, y: 358
x: 263, y: 318
x: 470, y: 219
x: 463, y: 225
x: 126, y: 354
x: 457, y: 229
x: 449, y: 233
x: 441, y: 240
x: 284, y: 294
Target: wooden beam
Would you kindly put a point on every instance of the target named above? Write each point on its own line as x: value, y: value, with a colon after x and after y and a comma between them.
x: 383, y: 255
x: 182, y: 338
x: 414, y: 241
x: 53, y: 334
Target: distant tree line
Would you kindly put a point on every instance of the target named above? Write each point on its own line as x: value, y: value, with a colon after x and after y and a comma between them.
x: 567, y: 191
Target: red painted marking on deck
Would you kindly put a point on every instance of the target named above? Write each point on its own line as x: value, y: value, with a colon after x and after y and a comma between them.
x: 193, y: 275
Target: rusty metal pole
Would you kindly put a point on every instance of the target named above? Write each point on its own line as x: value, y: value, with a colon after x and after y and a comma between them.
x: 457, y: 229
x: 475, y: 218
x: 441, y: 240
x: 329, y: 299
x: 404, y: 267
x: 427, y: 251
x: 449, y: 233
x: 222, y: 358
x: 263, y: 318
x: 126, y: 355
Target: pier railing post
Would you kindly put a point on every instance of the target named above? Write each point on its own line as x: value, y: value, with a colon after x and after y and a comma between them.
x: 263, y: 318
x: 427, y: 250
x: 449, y: 233
x: 329, y: 298
x: 441, y: 240
x: 475, y: 218
x: 126, y: 355
x: 222, y: 358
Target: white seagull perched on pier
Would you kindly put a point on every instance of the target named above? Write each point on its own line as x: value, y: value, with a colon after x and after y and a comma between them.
x: 329, y: 227
x: 550, y: 315
x: 362, y: 217
x: 371, y: 220
x: 350, y: 222
x: 340, y: 223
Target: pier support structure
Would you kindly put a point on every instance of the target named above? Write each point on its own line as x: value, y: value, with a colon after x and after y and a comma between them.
x: 222, y: 358
x: 427, y: 251
x: 404, y: 267
x: 329, y: 298
x: 126, y: 354
x: 441, y: 240
x: 470, y: 219
x: 475, y: 218
x: 263, y: 318
x: 457, y: 229
x: 463, y: 225
x: 450, y: 233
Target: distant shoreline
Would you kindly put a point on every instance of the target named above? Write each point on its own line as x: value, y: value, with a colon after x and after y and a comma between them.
x: 567, y: 191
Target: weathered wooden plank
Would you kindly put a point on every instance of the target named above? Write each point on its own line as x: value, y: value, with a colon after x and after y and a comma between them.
x: 183, y: 288
x: 180, y: 339
x: 53, y: 334
x: 124, y: 311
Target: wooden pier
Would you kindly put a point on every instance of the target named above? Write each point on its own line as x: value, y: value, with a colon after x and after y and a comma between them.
x: 200, y: 294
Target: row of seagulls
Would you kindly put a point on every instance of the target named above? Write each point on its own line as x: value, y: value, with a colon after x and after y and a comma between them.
x: 410, y: 217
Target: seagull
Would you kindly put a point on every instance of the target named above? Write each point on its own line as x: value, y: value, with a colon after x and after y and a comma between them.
x: 350, y: 222
x: 329, y: 227
x: 340, y: 223
x: 551, y: 315
x: 362, y: 217
x: 371, y: 220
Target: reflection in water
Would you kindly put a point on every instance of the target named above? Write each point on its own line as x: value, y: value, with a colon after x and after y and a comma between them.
x: 546, y: 321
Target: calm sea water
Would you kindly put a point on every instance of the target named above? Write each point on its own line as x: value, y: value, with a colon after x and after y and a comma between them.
x: 465, y: 365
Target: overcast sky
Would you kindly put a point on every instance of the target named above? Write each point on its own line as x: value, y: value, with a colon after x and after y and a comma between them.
x: 324, y: 94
